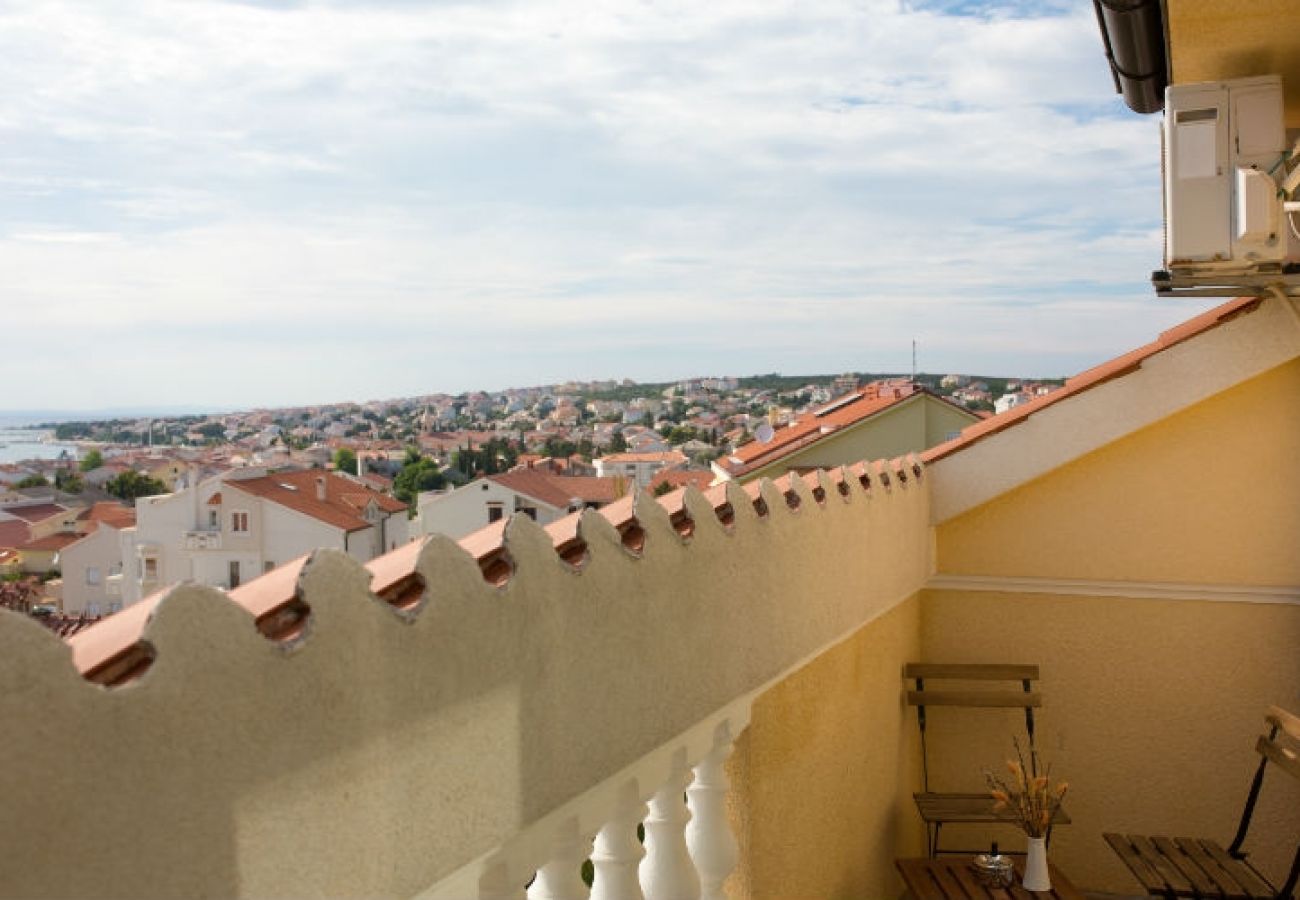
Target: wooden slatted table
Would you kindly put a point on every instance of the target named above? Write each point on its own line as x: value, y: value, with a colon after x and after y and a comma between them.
x: 953, y: 878
x: 1187, y: 867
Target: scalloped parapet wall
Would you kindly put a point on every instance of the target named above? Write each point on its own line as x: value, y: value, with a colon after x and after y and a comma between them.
x: 338, y: 730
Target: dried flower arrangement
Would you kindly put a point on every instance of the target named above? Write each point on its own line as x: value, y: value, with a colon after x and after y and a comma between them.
x: 1031, y: 797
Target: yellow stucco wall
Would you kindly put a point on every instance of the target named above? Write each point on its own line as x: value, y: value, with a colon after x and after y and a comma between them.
x: 824, y: 773
x: 1210, y: 495
x: 1212, y: 40
x: 1152, y: 705
x: 1151, y: 709
x: 907, y: 428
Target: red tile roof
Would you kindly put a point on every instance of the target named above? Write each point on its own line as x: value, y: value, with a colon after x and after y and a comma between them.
x: 345, y: 499
x: 845, y: 412
x: 36, y: 512
x: 1115, y: 368
x: 559, y: 490
x: 14, y: 533
x: 669, y: 457
x: 52, y: 542
x: 110, y: 513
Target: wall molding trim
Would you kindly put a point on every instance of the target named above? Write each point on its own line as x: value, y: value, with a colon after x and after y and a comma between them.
x: 1139, y: 590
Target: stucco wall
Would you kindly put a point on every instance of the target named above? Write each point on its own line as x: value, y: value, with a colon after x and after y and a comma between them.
x: 385, y: 750
x: 823, y: 775
x: 1151, y: 711
x: 1153, y: 701
x: 1211, y: 494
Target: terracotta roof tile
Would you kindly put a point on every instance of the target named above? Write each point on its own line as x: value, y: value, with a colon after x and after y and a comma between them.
x: 111, y: 652
x: 344, y: 498
x: 110, y: 513
x: 36, y: 512
x: 812, y: 427
x: 56, y: 541
x: 1097, y: 375
x: 14, y: 533
x: 559, y: 490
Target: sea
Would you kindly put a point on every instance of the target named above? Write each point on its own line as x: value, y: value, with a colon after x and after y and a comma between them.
x: 18, y: 444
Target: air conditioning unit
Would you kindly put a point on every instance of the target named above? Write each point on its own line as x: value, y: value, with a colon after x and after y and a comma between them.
x: 1228, y: 177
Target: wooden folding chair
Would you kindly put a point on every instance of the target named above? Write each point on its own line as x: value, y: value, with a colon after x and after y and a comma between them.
x: 936, y: 808
x: 1199, y: 867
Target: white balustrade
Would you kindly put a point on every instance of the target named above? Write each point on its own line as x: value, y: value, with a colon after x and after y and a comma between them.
x: 668, y: 872
x: 561, y: 876
x: 688, y: 853
x: 713, y: 847
x: 618, y: 851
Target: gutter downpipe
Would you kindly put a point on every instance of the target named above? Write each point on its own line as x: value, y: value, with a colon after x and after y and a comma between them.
x: 1134, y: 35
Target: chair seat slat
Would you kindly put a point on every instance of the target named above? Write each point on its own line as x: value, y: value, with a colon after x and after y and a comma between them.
x: 1250, y: 882
x: 1174, y: 879
x: 1151, y: 880
x: 1178, y: 858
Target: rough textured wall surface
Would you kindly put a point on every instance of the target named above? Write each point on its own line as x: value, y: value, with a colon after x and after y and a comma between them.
x: 385, y: 749
x: 1151, y: 709
x: 1210, y: 495
x: 1152, y: 705
x: 825, y: 773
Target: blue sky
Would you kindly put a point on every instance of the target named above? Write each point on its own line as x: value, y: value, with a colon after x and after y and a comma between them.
x: 263, y: 203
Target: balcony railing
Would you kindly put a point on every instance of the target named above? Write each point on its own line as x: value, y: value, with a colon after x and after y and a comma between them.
x: 201, y: 539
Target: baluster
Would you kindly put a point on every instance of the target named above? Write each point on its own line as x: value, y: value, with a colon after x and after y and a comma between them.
x: 713, y: 846
x: 561, y: 877
x: 618, y: 852
x: 667, y: 872
x: 496, y: 885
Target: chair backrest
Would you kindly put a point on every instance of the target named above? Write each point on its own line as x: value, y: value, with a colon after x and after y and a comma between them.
x: 1281, y: 746
x: 1025, y: 696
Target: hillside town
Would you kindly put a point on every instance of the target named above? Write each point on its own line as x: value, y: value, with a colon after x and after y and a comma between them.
x: 221, y: 499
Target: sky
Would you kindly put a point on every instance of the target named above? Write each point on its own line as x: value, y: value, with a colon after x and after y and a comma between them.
x: 234, y: 204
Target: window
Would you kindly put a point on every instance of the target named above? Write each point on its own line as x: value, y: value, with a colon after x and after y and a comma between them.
x: 151, y: 567
x: 114, y: 607
x: 495, y: 512
x: 92, y: 610
x: 92, y: 575
x: 529, y: 511
x: 267, y: 566
x: 212, y: 518
x: 234, y: 571
x: 239, y: 521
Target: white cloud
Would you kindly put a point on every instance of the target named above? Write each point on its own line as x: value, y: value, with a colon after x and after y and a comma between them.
x: 661, y: 186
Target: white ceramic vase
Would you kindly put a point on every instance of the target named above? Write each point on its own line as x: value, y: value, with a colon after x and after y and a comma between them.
x: 1036, y: 877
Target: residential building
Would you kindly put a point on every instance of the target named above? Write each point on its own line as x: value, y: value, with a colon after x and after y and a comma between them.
x: 880, y: 420
x: 538, y: 493
x: 228, y: 529
x: 641, y: 466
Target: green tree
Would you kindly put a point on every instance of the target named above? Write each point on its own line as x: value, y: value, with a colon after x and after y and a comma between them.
x: 32, y: 481
x: 663, y: 487
x: 91, y: 461
x: 618, y: 443
x: 130, y: 485
x: 345, y: 461
x: 69, y: 481
x: 421, y: 475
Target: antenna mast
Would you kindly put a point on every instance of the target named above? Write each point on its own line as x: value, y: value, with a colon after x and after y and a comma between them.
x: 913, y: 360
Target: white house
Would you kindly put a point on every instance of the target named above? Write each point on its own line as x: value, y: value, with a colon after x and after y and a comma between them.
x: 541, y: 495
x: 227, y: 530
x: 640, y: 467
